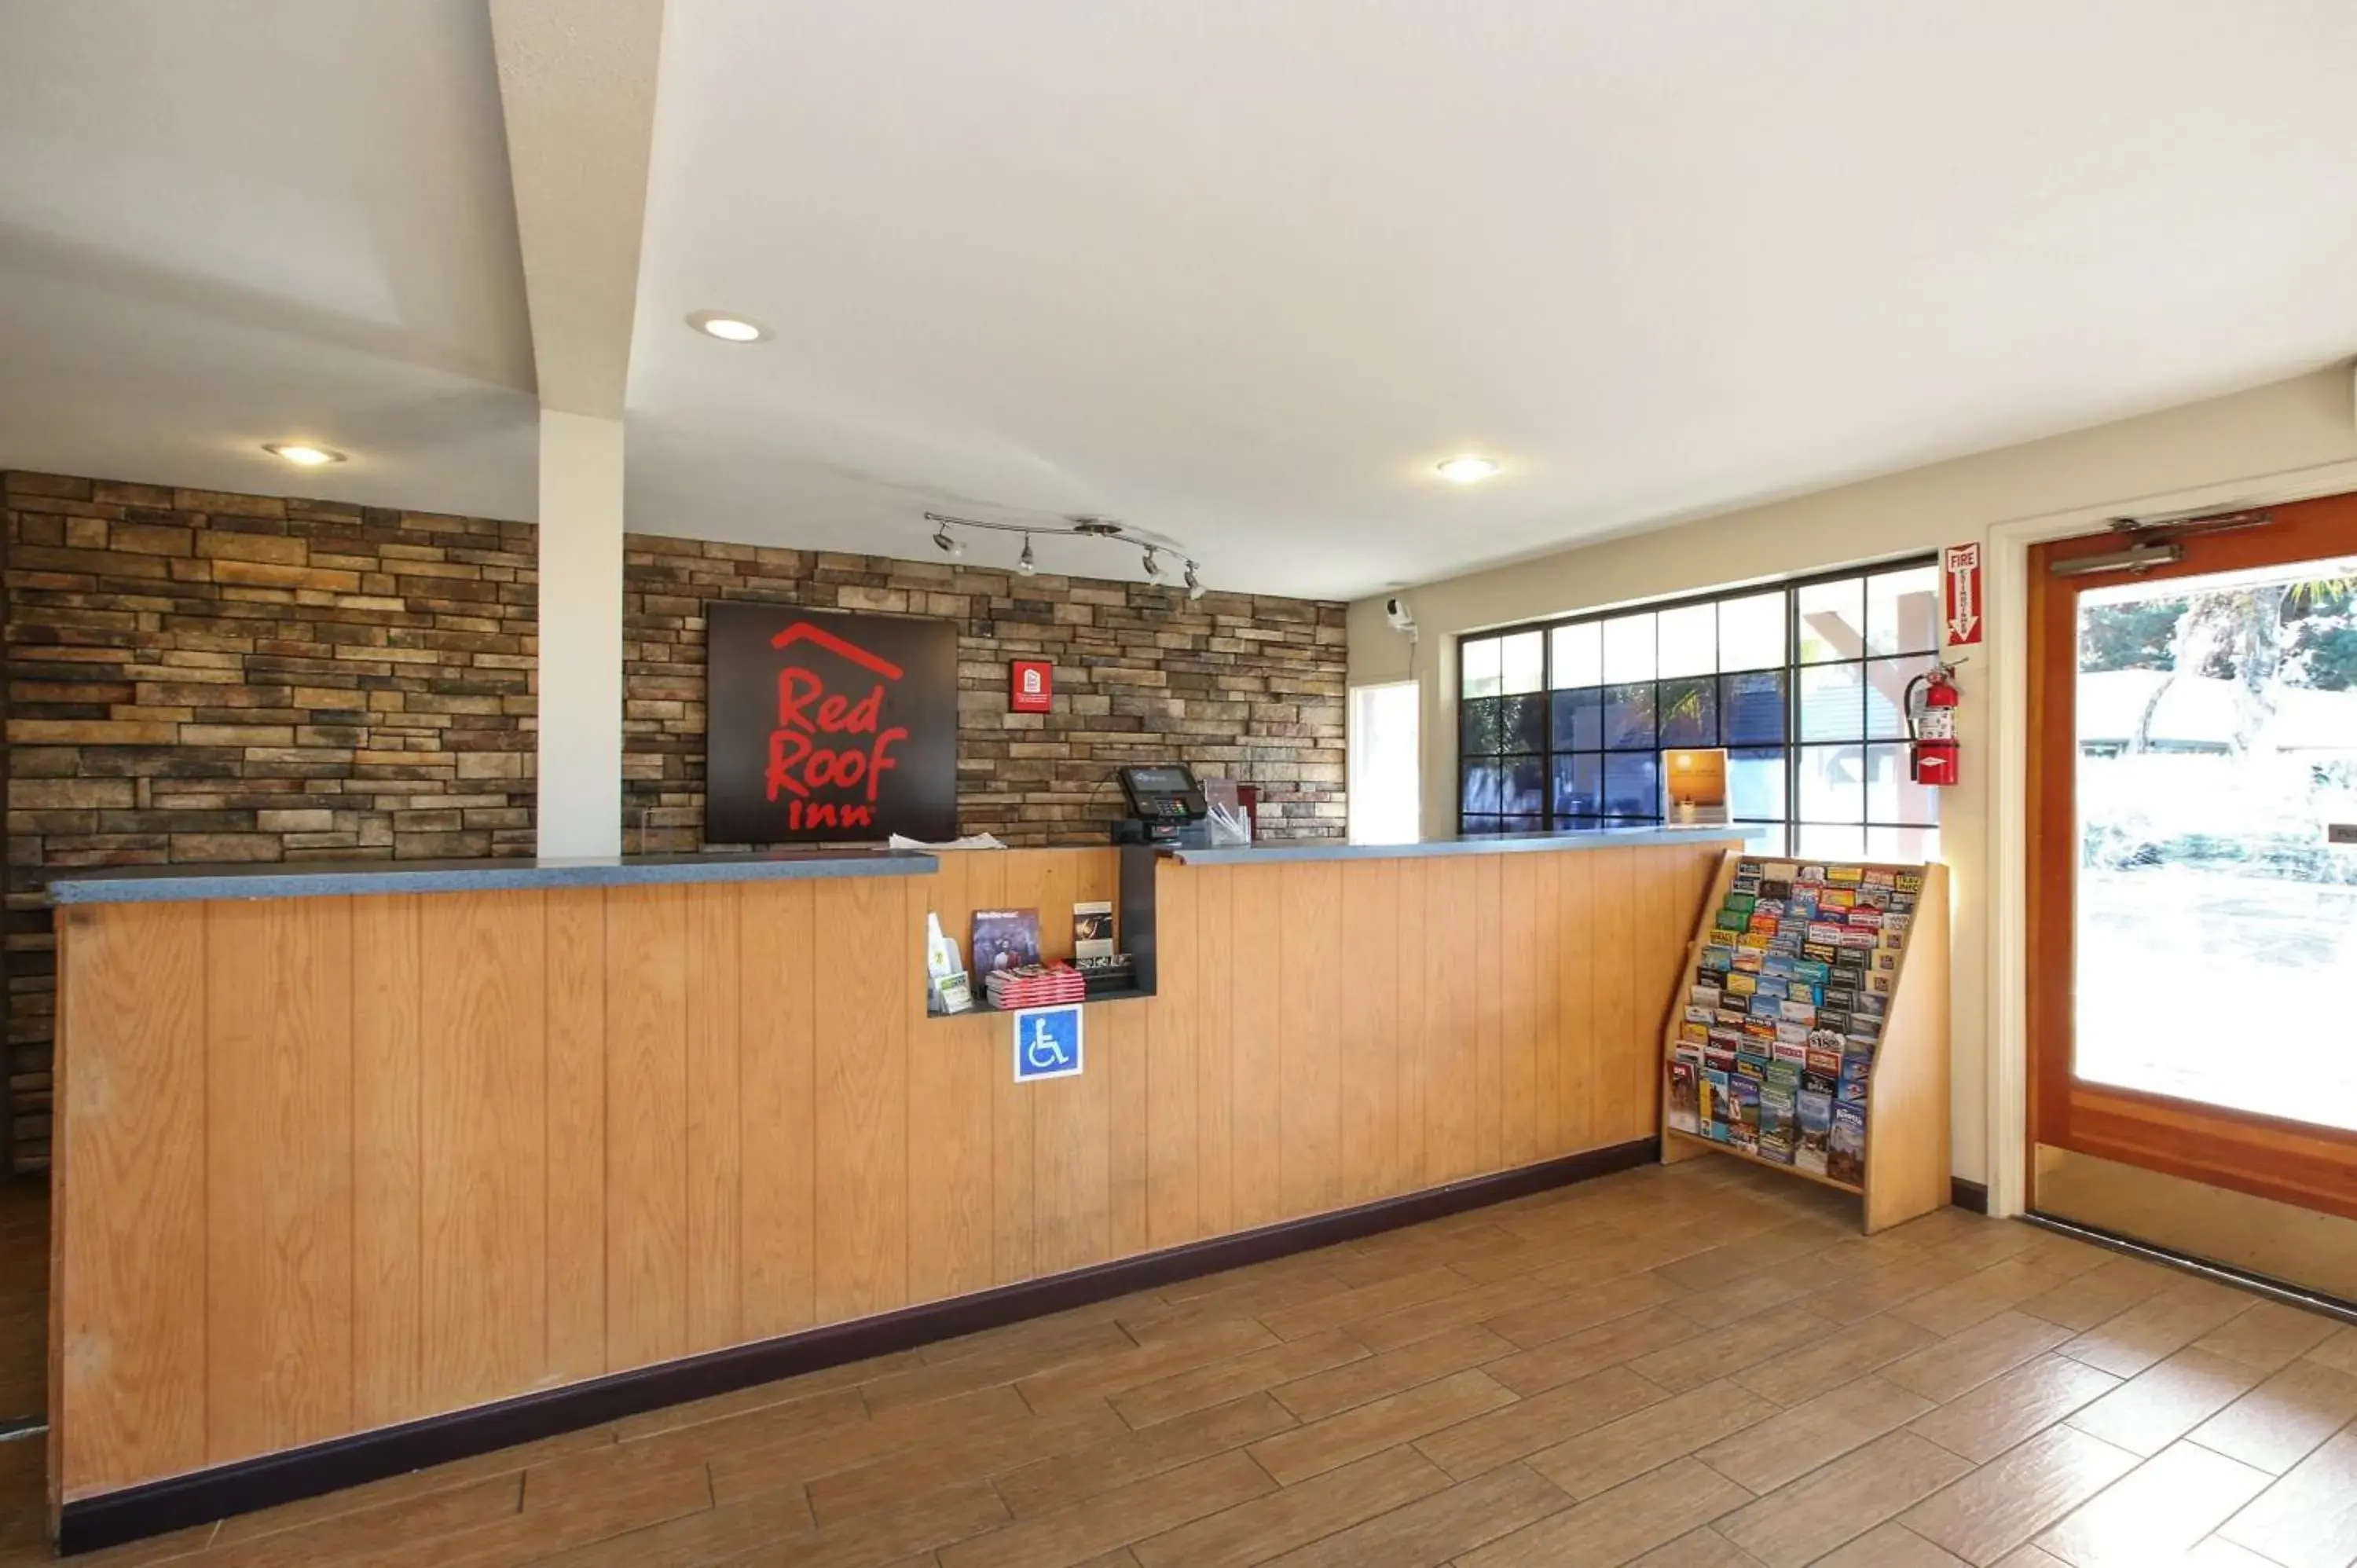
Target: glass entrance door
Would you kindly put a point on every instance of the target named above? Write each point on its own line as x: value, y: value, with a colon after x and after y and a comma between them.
x: 2194, y: 891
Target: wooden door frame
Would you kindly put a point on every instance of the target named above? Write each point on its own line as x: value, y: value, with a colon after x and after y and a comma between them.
x: 2314, y: 1167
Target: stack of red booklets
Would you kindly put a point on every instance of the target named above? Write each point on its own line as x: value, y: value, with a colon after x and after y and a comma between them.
x: 1036, y: 986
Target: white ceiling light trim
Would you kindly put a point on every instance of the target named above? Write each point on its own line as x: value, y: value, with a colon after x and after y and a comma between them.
x: 728, y: 329
x: 303, y: 453
x: 1467, y: 469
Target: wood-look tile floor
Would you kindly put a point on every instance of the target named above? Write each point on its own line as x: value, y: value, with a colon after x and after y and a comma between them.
x: 1698, y: 1367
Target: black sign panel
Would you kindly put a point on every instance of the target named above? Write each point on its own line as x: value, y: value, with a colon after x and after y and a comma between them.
x: 828, y: 728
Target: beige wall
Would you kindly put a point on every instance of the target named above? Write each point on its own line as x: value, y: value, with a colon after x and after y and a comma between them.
x: 2253, y: 445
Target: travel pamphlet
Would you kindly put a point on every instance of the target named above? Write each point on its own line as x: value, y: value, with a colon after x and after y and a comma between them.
x: 1775, y: 1044
x: 1005, y: 939
x: 1092, y: 929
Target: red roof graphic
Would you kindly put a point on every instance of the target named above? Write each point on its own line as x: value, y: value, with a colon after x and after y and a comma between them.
x: 801, y: 630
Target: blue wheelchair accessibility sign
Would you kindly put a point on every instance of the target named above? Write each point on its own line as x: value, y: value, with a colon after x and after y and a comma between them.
x: 1046, y: 1043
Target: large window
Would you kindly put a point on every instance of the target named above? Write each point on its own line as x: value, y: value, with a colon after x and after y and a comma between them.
x: 1384, y: 796
x: 1562, y: 725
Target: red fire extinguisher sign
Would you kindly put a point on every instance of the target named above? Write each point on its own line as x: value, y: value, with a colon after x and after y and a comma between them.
x: 1960, y: 572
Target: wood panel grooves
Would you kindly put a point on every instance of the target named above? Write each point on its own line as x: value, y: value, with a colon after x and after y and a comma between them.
x: 278, y: 1120
x: 575, y: 926
x: 860, y: 1115
x: 388, y: 1162
x: 779, y: 1067
x: 646, y: 1120
x: 338, y: 1163
x: 483, y: 1171
x: 680, y: 1400
x: 131, y: 1336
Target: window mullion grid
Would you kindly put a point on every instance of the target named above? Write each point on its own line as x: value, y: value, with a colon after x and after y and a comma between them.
x: 1656, y: 752
x: 1791, y: 719
x: 1791, y: 821
x: 1546, y: 729
x: 1865, y: 755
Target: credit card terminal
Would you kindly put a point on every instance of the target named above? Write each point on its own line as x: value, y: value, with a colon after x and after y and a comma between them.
x: 1163, y: 799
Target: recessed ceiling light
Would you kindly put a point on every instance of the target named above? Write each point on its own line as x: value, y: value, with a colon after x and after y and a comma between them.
x: 1467, y: 469
x: 302, y: 453
x: 728, y: 328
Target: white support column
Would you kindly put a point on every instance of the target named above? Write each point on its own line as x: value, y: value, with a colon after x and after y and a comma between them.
x: 580, y: 635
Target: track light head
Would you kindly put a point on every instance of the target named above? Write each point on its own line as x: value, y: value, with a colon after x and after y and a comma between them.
x: 1023, y: 563
x: 949, y: 544
x: 1194, y: 583
x: 1153, y: 565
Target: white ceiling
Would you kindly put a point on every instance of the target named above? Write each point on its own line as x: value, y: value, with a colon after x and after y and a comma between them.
x: 229, y: 221
x: 1234, y: 271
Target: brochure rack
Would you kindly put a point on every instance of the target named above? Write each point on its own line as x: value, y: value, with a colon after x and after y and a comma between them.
x: 1898, y: 1081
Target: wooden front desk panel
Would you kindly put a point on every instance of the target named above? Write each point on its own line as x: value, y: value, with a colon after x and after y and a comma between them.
x: 332, y: 1163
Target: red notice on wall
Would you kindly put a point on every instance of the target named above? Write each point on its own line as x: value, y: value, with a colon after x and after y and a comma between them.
x: 1960, y: 572
x: 1031, y: 686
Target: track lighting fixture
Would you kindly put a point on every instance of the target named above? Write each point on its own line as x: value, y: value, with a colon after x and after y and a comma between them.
x: 1151, y: 547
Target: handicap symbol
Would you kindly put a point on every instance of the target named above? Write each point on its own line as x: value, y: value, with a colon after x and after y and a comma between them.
x: 1043, y: 1051
x: 1047, y: 1044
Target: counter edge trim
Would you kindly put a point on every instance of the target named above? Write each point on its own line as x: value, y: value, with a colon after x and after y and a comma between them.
x: 1327, y: 849
x: 198, y: 884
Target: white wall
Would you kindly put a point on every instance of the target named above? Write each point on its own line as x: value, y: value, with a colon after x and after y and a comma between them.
x: 580, y: 706
x: 2268, y: 445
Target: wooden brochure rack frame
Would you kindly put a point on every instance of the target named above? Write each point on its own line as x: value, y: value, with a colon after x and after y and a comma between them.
x: 1907, y: 1155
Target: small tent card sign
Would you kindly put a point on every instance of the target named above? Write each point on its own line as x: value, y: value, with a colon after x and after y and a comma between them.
x: 1694, y: 784
x: 947, y: 988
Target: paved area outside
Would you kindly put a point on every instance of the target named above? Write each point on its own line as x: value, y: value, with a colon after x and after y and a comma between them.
x: 2219, y: 987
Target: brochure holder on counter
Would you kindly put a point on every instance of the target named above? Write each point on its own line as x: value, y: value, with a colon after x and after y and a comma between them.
x: 1128, y: 913
x: 1902, y: 1171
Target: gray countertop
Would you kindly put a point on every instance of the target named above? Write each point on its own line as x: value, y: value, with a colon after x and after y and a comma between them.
x: 328, y: 879
x: 1502, y: 844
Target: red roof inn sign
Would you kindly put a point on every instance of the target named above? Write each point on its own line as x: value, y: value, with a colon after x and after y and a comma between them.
x: 827, y: 728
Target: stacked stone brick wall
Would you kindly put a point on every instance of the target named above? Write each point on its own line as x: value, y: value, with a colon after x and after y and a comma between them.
x: 1241, y: 686
x: 195, y: 677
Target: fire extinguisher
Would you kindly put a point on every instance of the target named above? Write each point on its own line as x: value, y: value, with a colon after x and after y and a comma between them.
x: 1933, y: 756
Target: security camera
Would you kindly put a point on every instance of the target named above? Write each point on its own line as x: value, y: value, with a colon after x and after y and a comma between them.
x: 1396, y: 612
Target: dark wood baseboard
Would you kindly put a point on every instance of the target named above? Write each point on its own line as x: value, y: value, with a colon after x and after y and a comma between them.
x: 218, y: 1492
x: 1972, y: 1195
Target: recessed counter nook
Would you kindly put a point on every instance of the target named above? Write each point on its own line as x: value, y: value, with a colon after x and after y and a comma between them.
x: 365, y: 1167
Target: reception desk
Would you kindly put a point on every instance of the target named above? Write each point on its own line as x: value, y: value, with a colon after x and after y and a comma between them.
x: 362, y: 1167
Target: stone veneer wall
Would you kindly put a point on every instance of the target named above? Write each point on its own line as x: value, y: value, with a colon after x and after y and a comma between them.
x: 1241, y: 686
x: 197, y: 677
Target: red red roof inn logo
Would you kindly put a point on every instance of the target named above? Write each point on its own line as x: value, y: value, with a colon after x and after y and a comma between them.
x: 829, y: 727
x: 827, y: 746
